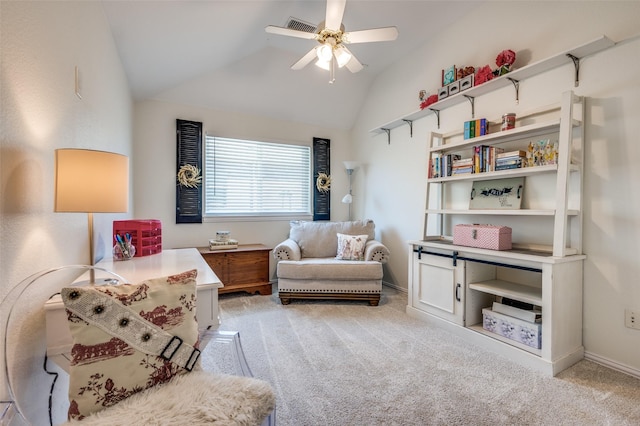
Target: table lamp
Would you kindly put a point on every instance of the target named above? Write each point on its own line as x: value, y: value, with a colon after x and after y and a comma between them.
x: 88, y: 181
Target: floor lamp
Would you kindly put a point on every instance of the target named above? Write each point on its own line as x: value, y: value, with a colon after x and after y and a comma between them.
x: 88, y: 181
x: 348, y: 199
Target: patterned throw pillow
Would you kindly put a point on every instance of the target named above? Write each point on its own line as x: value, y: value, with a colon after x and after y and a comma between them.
x: 351, y: 247
x: 127, y: 338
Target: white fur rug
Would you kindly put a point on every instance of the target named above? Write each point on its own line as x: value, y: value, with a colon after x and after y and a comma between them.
x: 196, y: 398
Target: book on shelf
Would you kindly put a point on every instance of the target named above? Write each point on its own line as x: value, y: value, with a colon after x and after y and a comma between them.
x: 532, y: 315
x: 511, y: 154
x: 508, y: 167
x: 509, y: 161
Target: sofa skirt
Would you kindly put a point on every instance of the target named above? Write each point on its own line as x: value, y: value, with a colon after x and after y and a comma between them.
x: 324, y: 286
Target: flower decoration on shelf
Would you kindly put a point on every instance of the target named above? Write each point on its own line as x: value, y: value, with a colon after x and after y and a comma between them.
x: 483, y: 75
x: 430, y: 100
x: 504, y: 60
x: 462, y: 72
x: 506, y: 57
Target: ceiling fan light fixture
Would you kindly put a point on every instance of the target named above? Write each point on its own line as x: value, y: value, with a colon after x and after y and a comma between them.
x: 325, y: 65
x: 342, y: 56
x: 324, y: 52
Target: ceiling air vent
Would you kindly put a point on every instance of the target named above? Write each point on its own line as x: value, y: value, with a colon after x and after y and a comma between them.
x: 299, y: 25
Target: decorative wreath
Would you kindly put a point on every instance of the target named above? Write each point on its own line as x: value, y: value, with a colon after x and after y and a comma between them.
x: 323, y: 182
x: 189, y: 176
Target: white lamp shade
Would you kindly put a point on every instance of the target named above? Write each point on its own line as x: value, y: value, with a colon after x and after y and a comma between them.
x: 342, y: 56
x: 90, y: 181
x: 347, y: 199
x: 325, y: 65
x: 351, y: 165
x: 324, y: 52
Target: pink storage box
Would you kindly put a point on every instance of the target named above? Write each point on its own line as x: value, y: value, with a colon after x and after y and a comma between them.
x: 482, y: 236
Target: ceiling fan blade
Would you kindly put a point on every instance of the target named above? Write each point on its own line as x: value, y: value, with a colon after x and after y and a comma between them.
x: 374, y: 34
x: 304, y: 61
x: 335, y: 11
x: 354, y: 64
x: 289, y: 32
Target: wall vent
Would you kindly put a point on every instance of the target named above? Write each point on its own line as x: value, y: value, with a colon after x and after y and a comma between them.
x: 299, y: 25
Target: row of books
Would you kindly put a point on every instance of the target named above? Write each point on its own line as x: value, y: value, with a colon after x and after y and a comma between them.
x: 443, y: 165
x: 485, y: 159
x: 475, y: 128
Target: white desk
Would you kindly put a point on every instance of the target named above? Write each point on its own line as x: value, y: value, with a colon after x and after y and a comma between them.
x: 167, y: 262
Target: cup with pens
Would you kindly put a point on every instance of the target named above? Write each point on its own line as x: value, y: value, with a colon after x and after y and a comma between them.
x: 123, y: 249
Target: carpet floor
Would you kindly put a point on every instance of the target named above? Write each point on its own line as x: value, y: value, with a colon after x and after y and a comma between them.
x: 348, y: 363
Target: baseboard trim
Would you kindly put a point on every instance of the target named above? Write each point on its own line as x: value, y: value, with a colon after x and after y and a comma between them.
x: 400, y: 289
x: 614, y: 365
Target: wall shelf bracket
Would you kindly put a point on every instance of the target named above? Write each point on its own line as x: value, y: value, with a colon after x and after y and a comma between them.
x: 516, y: 85
x: 576, y: 64
x: 388, y: 132
x: 472, y: 101
x: 410, y: 123
x: 437, y: 113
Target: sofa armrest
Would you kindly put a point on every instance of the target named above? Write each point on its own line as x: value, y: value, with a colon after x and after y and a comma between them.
x: 287, y: 250
x: 375, y: 250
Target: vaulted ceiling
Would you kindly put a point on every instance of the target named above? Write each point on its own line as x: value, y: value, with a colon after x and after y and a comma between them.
x: 216, y: 53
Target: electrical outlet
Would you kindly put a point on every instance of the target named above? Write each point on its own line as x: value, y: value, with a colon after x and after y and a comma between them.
x: 632, y: 319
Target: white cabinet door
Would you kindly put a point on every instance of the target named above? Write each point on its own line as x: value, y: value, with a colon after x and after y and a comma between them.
x: 438, y: 286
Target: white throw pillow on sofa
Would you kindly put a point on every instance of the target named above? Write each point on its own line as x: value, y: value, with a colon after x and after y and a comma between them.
x: 351, y: 247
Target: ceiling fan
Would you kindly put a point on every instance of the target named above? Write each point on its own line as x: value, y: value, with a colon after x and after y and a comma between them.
x: 333, y: 38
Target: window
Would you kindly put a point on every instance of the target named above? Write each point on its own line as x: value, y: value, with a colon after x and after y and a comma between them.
x: 249, y: 178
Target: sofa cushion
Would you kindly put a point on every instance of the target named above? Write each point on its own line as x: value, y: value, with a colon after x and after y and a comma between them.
x: 320, y: 239
x: 329, y: 269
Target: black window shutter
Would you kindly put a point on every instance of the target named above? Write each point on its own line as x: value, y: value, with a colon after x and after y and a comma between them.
x: 189, y: 152
x: 321, y: 164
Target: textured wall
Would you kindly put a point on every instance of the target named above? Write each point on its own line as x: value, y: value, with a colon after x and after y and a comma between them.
x: 41, y: 44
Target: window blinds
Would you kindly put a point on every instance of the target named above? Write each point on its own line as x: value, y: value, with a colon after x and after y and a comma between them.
x: 249, y: 178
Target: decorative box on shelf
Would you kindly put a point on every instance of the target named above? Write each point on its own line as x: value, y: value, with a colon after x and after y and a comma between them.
x: 482, y: 236
x: 146, y: 234
x: 527, y: 333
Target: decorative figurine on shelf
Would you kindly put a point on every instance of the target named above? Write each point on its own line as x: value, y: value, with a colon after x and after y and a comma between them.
x: 530, y: 156
x: 430, y: 100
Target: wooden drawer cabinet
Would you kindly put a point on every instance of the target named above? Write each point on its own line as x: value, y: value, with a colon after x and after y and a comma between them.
x: 243, y: 269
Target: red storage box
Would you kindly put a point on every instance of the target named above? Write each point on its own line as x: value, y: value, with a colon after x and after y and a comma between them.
x: 146, y: 235
x: 482, y: 236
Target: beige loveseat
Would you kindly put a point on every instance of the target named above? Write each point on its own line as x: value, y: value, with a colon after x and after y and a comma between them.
x: 308, y: 267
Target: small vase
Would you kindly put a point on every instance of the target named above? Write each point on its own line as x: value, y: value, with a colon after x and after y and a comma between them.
x: 124, y: 254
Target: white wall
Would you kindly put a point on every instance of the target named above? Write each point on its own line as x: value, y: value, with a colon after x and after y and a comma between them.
x: 394, y: 180
x: 154, y: 169
x: 41, y: 43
